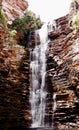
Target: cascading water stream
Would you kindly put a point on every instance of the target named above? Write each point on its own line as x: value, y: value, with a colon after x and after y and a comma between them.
x: 38, y: 91
x: 37, y: 87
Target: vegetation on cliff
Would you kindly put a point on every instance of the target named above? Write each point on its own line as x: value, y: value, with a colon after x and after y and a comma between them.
x: 74, y: 16
x: 25, y: 25
x: 75, y: 22
x: 28, y: 22
x: 3, y: 18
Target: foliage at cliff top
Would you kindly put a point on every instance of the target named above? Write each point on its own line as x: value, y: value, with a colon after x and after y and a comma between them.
x: 27, y: 23
x: 75, y: 22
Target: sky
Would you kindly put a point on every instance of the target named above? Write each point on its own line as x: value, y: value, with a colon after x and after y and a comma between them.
x: 49, y: 9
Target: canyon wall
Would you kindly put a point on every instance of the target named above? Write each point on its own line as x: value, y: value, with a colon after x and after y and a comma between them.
x: 63, y: 73
x: 14, y: 73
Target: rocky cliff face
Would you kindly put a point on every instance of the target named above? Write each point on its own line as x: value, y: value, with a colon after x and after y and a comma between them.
x: 14, y: 87
x: 14, y: 73
x: 63, y: 74
x: 14, y: 8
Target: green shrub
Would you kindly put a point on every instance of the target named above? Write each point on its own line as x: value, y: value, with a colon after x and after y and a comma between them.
x: 3, y: 18
x: 27, y: 23
x: 75, y: 22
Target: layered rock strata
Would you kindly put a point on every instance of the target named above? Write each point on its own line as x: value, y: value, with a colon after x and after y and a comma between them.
x: 14, y: 88
x: 14, y: 9
x: 14, y: 73
x: 63, y: 74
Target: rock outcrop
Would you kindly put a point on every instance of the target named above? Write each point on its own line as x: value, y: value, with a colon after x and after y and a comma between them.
x: 14, y: 9
x: 63, y: 74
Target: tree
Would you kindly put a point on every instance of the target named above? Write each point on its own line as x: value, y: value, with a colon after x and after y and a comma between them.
x: 27, y: 23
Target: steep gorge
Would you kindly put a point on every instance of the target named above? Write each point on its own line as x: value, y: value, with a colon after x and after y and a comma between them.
x: 62, y: 77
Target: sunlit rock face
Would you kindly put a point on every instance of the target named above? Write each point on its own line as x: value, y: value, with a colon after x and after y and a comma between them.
x: 63, y: 72
x: 14, y: 8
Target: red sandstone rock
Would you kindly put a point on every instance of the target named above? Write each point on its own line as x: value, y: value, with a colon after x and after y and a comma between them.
x: 63, y: 76
x: 14, y: 8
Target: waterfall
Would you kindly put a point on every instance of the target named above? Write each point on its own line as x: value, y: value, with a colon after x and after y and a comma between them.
x: 37, y: 86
